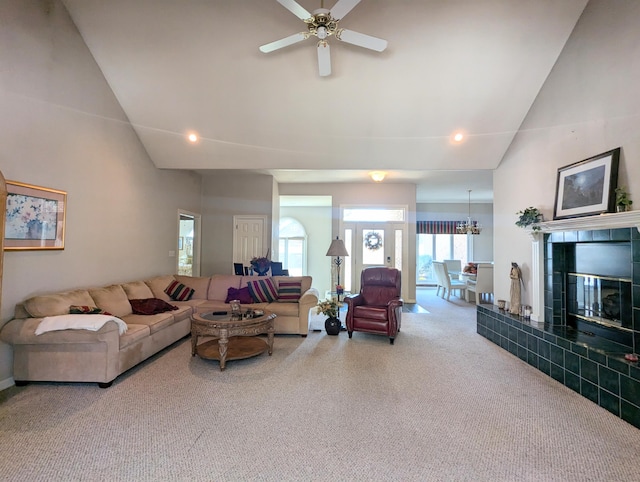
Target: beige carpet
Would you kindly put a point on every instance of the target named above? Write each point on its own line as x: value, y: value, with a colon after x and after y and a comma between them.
x: 442, y: 403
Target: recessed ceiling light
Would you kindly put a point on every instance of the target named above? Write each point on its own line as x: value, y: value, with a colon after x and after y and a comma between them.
x: 378, y: 176
x: 458, y: 137
x: 193, y: 137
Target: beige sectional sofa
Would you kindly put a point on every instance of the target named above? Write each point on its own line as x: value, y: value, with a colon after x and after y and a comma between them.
x: 81, y: 355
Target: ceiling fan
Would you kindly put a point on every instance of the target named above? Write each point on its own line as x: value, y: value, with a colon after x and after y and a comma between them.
x: 323, y: 23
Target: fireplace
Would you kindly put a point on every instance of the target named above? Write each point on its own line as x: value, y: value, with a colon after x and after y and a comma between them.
x: 585, y: 323
x: 601, y: 302
x: 595, y: 292
x: 589, y: 284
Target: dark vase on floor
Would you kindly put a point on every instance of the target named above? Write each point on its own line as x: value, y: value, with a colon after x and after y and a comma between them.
x: 332, y: 326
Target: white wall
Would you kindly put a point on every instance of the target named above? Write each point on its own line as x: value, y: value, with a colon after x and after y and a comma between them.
x: 589, y: 104
x: 62, y: 127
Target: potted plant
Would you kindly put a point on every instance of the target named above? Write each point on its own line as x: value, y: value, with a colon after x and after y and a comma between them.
x: 329, y: 308
x: 623, y: 203
x: 529, y: 217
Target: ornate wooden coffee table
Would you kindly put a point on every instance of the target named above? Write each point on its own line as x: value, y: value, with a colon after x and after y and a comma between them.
x: 235, y: 336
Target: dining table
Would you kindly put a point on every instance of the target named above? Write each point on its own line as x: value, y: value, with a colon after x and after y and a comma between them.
x: 463, y: 276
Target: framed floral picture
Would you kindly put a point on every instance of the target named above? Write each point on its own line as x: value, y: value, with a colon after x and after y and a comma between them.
x: 587, y: 187
x: 35, y: 217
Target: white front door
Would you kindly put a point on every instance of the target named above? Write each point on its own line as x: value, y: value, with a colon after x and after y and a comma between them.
x: 373, y: 244
x: 248, y: 238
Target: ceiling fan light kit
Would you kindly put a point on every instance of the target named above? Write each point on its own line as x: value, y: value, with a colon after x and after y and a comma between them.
x: 323, y: 23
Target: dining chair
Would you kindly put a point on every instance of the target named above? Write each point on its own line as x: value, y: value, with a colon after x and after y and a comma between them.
x: 276, y: 268
x: 483, y: 284
x: 454, y: 266
x: 446, y: 283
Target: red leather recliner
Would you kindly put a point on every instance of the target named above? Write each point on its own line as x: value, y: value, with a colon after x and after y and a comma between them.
x: 378, y: 306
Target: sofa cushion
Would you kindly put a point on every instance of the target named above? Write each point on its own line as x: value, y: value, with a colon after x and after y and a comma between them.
x: 219, y: 286
x: 112, y: 299
x: 87, y: 310
x: 242, y: 295
x: 150, y: 306
x: 200, y: 285
x: 137, y: 290
x: 262, y: 290
x: 289, y: 291
x: 134, y: 334
x: 283, y: 309
x: 191, y: 305
x: 158, y: 284
x: 56, y: 304
x: 155, y: 323
x: 179, y: 292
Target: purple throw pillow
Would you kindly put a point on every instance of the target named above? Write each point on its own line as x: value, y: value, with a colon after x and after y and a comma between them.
x: 242, y: 295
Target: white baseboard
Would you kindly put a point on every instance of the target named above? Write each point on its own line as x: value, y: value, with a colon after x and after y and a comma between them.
x: 6, y: 383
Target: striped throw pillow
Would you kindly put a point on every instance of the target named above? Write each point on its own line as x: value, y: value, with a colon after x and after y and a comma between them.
x: 289, y: 291
x: 87, y: 310
x: 179, y: 292
x: 262, y: 290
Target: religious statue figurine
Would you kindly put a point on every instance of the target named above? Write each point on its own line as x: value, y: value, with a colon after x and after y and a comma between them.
x: 516, y: 281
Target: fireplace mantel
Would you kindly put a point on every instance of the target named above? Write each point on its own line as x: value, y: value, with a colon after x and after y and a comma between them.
x: 603, y: 221
x: 627, y: 219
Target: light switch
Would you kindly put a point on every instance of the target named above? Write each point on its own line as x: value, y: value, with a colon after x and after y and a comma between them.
x: 172, y: 254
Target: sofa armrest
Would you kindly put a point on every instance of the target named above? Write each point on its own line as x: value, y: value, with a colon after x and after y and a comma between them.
x: 21, y: 331
x: 308, y: 300
x: 309, y: 296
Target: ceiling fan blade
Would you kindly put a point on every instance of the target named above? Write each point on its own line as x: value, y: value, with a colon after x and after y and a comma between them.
x: 285, y: 42
x: 295, y: 8
x: 362, y: 40
x: 324, y: 59
x: 342, y: 8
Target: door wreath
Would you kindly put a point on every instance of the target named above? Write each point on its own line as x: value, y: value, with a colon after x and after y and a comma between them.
x: 373, y: 241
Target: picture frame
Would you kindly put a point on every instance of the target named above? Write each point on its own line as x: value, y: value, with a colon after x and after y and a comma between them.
x: 35, y: 217
x: 587, y: 187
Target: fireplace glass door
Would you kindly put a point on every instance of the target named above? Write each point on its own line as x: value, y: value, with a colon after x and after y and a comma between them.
x: 600, y: 299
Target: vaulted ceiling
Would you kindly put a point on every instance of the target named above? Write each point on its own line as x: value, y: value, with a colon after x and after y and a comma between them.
x: 474, y: 66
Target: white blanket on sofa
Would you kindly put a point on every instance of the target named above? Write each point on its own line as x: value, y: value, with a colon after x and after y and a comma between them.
x: 78, y: 322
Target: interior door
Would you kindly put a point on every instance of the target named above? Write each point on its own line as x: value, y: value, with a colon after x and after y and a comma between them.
x: 374, y: 244
x: 248, y: 238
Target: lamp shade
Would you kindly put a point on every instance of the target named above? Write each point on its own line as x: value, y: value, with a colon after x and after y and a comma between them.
x: 337, y: 248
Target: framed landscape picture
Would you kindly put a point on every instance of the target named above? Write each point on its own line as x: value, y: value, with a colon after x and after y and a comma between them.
x: 35, y: 217
x: 587, y: 187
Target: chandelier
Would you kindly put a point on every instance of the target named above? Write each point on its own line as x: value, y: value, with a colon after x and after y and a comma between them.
x: 468, y: 226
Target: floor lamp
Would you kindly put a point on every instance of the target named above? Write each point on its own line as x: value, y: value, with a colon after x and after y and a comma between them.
x: 337, y: 249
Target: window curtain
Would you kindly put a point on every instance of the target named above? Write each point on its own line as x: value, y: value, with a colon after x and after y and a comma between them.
x: 436, y: 227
